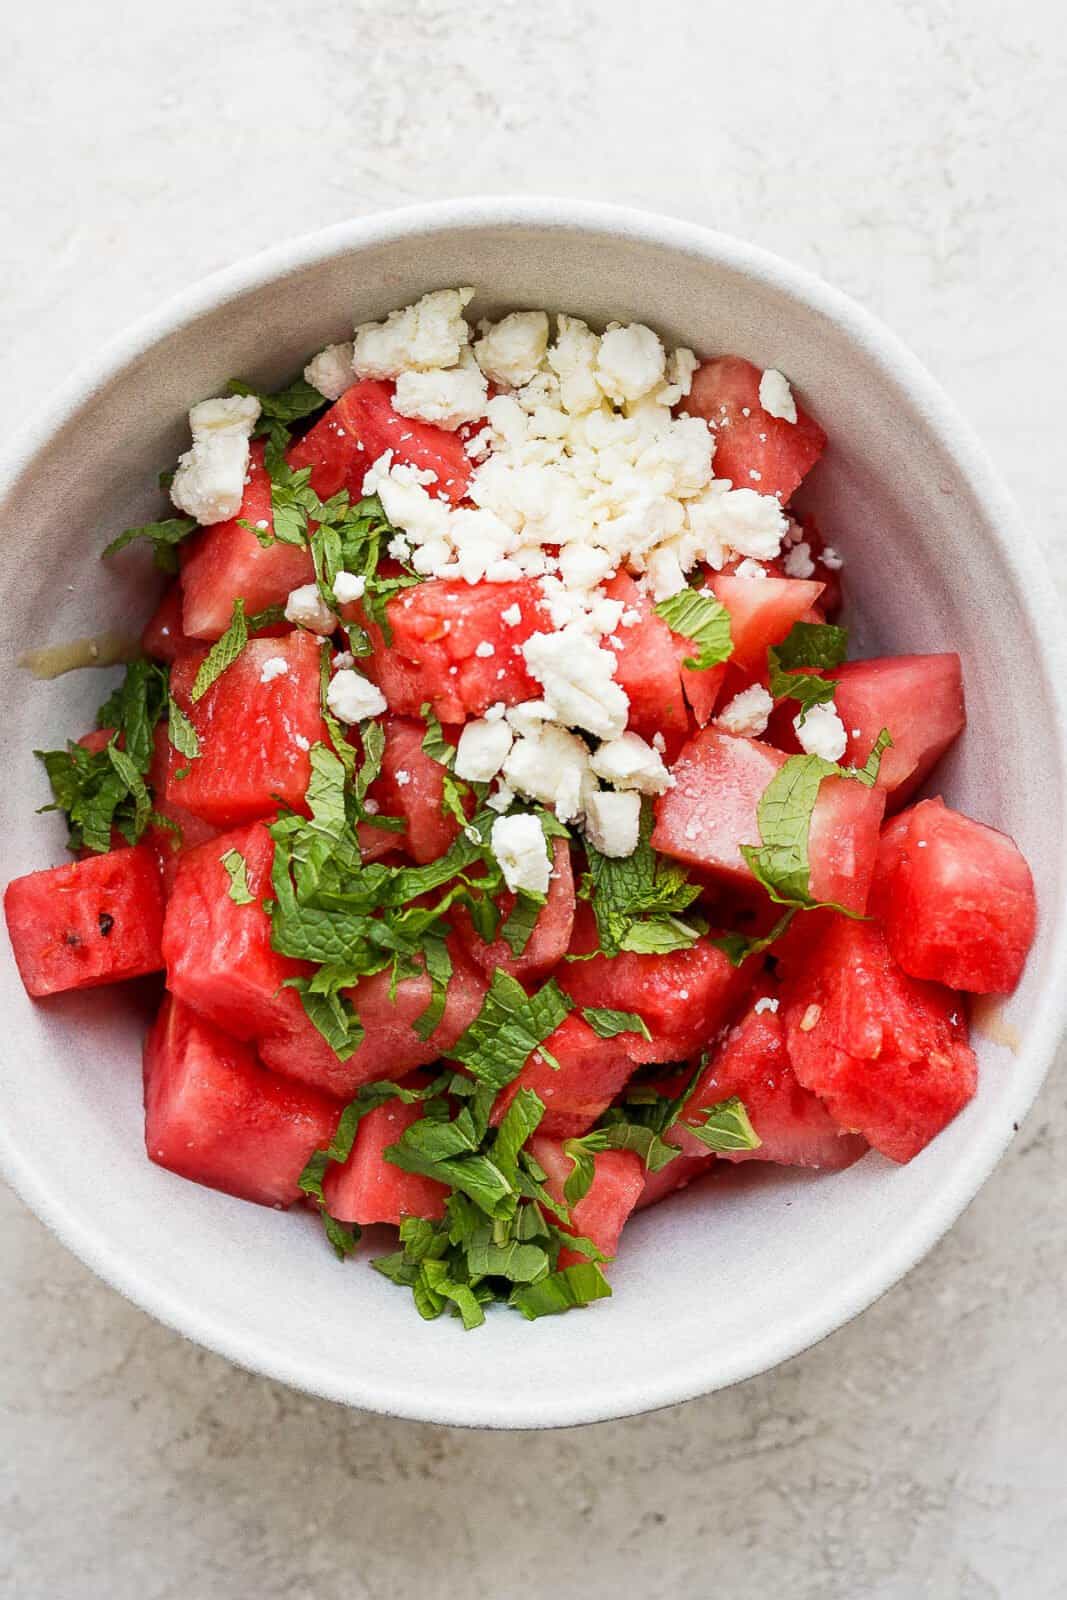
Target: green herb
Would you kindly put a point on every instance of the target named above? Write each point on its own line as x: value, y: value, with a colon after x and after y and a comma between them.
x: 577, y: 1285
x: 725, y: 1128
x: 638, y: 899
x: 289, y: 404
x: 868, y: 773
x: 807, y: 645
x: 164, y: 537
x: 737, y: 947
x: 183, y: 736
x: 223, y: 652
x: 237, y: 872
x: 703, y: 619
x: 520, y: 922
x: 607, y: 1024
x: 509, y: 1027
x: 265, y: 618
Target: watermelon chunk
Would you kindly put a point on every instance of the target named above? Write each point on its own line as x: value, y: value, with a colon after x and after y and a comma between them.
x: 411, y: 785
x: 886, y: 1053
x: 346, y: 442
x: 918, y: 698
x: 762, y: 611
x: 368, y: 1188
x: 551, y: 934
x: 683, y: 997
x: 255, y: 735
x: 649, y: 667
x: 591, y: 1072
x: 193, y: 830
x: 618, y: 1179
x: 391, y: 1047
x: 438, y: 629
x: 226, y: 561
x: 214, y: 1115
x: 752, y: 1062
x: 712, y: 811
x: 163, y: 637
x: 678, y: 1174
x: 88, y: 922
x: 959, y: 903
x: 752, y: 448
x: 218, y: 954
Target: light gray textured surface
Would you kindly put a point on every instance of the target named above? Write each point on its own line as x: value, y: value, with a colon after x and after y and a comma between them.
x: 916, y: 161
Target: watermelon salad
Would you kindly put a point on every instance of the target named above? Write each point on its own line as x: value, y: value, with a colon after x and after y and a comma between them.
x: 495, y: 797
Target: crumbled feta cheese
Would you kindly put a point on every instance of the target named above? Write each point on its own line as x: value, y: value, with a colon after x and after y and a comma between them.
x: 512, y: 616
x: 629, y: 763
x: 739, y: 519
x: 484, y: 650
x: 482, y: 749
x: 747, y: 713
x: 446, y: 398
x: 330, y: 372
x: 306, y: 607
x: 659, y: 743
x: 822, y: 733
x: 431, y: 333
x: 403, y: 778
x: 511, y: 350
x: 519, y: 846
x: 856, y: 732
x: 551, y: 765
x: 798, y: 562
x: 343, y: 658
x: 501, y: 797
x: 584, y: 566
x: 613, y: 821
x: 526, y: 717
x: 776, y: 397
x: 348, y: 586
x: 766, y: 1002
x: 209, y: 482
x: 630, y: 362
x: 921, y: 844
x: 371, y: 807
x: 301, y: 741
x: 352, y: 697
x: 573, y: 358
x: 750, y: 569
x: 681, y: 365
x: 578, y: 681
x: 273, y: 667
x: 830, y: 559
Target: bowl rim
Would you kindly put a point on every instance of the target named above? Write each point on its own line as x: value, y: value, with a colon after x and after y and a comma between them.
x: 1017, y: 549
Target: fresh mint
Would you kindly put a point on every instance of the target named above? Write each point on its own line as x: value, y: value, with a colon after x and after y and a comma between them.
x: 183, y: 736
x: 808, y: 645
x: 725, y: 1128
x: 223, y: 652
x: 509, y: 1027
x: 237, y: 872
x: 700, y: 617
x: 639, y: 900
x: 608, y: 1024
x: 164, y: 537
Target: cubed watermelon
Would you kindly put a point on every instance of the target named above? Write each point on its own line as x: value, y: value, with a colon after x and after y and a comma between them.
x: 346, y: 442
x: 163, y: 637
x: 551, y: 934
x: 226, y: 561
x: 677, y: 1174
x: 886, y: 1053
x: 93, y: 921
x: 255, y: 732
x: 762, y: 611
x: 918, y: 698
x: 411, y: 785
x: 712, y: 811
x: 683, y: 997
x: 368, y: 1188
x: 754, y: 449
x: 649, y: 667
x: 214, y: 1115
x: 218, y: 953
x: 591, y: 1072
x: 618, y: 1179
x: 391, y: 1047
x: 438, y: 630
x: 959, y: 906
x: 752, y: 1062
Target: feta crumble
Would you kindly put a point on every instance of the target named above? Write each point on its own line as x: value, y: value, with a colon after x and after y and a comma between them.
x: 577, y: 677
x: 348, y: 586
x: 482, y: 749
x: 431, y: 333
x: 776, y: 397
x: 273, y: 667
x: 766, y: 1002
x: 822, y: 733
x: 307, y: 609
x: 209, y: 482
x: 798, y: 562
x: 352, y: 697
x: 330, y: 372
x: 631, y: 362
x: 613, y: 821
x: 550, y: 765
x: 519, y: 846
x: 628, y: 762
x: 747, y: 713
x: 510, y: 351
x: 447, y: 398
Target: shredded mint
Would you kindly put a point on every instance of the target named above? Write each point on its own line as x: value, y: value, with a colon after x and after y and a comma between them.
x: 183, y: 736
x: 608, y: 1024
x: 509, y: 1028
x: 223, y: 652
x: 702, y: 618
x: 237, y: 872
x: 819, y: 645
x: 289, y: 404
x: 573, y: 1286
x: 738, y: 947
x: 164, y: 537
x: 725, y: 1128
x: 868, y: 773
x: 638, y: 900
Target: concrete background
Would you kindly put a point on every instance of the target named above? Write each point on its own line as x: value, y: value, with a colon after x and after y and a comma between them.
x: 914, y: 155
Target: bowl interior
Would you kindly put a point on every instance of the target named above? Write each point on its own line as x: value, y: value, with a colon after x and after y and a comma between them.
x: 720, y: 1282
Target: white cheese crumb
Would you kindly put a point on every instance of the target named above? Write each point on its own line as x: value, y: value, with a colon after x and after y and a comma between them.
x: 209, y: 482
x: 628, y: 762
x: 403, y: 778
x: 512, y: 616
x: 776, y: 397
x: 578, y: 681
x: 659, y: 743
x: 766, y: 1002
x: 519, y: 845
x: 446, y: 398
x: 301, y: 741
x: 352, y: 697
x: 573, y: 359
x: 920, y: 844
x: 856, y: 732
x: 343, y: 658
x: 550, y: 765
x: 750, y: 569
x: 681, y: 366
x: 482, y: 749
x: 613, y: 821
x: 348, y: 586
x: 484, y: 650
x: 511, y: 350
x: 330, y: 372
x: 273, y: 667
x: 798, y: 562
x: 747, y: 713
x: 501, y: 797
x: 306, y: 607
x: 631, y: 362
x: 830, y: 559
x: 431, y: 333
x: 822, y: 733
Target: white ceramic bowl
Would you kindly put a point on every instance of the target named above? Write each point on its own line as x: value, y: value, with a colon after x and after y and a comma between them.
x: 715, y: 1285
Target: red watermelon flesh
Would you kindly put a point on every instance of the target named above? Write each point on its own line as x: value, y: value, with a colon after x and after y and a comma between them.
x: 918, y: 698
x: 163, y: 637
x: 886, y: 1053
x: 368, y: 1188
x: 226, y: 561
x: 214, y: 1115
x: 411, y: 785
x: 88, y: 922
x: 551, y: 934
x: 360, y: 427
x: 762, y: 611
x: 618, y: 1179
x: 649, y: 667
x: 255, y: 735
x: 678, y: 1174
x: 591, y: 1072
x: 754, y: 449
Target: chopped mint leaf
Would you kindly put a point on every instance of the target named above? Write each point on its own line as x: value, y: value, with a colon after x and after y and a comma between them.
x: 658, y: 936
x: 135, y: 707
x: 518, y: 926
x: 808, y: 644
x: 164, y: 537
x: 737, y: 947
x: 183, y: 736
x: 703, y: 619
x: 439, y: 967
x: 223, y: 652
x: 237, y: 872
x: 290, y: 404
x: 780, y: 861
x: 509, y: 1028
x: 134, y: 784
x: 265, y: 618
x: 577, y: 1285
x: 608, y: 1024
x: 326, y: 792
x: 520, y: 1120
x: 725, y: 1127
x: 434, y: 742
x: 638, y: 899
x: 868, y: 773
